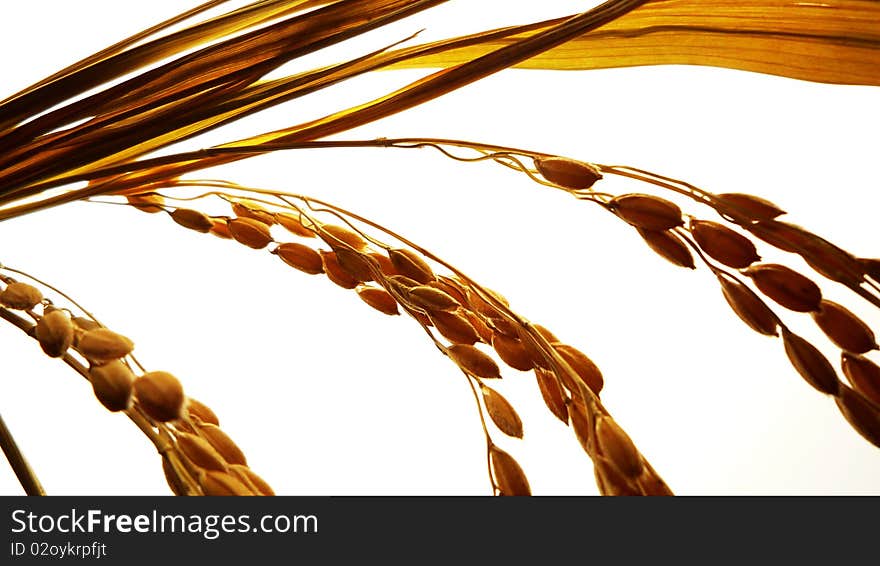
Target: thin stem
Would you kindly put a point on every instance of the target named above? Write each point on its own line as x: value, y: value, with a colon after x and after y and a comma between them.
x: 23, y: 471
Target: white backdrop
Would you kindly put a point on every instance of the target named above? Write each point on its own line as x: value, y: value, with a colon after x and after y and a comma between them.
x: 326, y: 396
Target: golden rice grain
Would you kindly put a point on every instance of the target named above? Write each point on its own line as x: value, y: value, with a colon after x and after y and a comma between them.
x: 199, y: 410
x: 174, y: 482
x: 753, y: 207
x: 668, y: 246
x: 512, y: 352
x: 502, y: 412
x: 723, y: 244
x: 192, y: 219
x: 787, y: 237
x: 160, y: 395
x: 217, y: 483
x: 333, y: 235
x: 647, y: 211
x: 862, y: 374
x: 568, y: 173
x: 862, y: 414
x: 408, y: 263
x: 845, y: 329
x: 582, y: 366
x: 20, y: 296
x: 335, y: 272
x: 200, y: 452
x: 810, y: 363
x: 247, y: 475
x: 652, y: 484
x: 220, y: 227
x: 832, y: 262
x: 112, y: 385
x: 473, y: 361
x: 611, y: 481
x: 300, y: 257
x: 431, y: 299
x: 509, y: 476
x: 748, y: 306
x: 552, y: 393
x: 294, y: 225
x: 580, y: 424
x: 618, y: 447
x: 54, y: 332
x: 454, y: 327
x: 355, y: 264
x: 379, y: 299
x: 786, y: 286
x: 85, y: 324
x: 104, y: 344
x: 245, y: 208
x: 252, y: 233
x: 150, y: 203
x: 483, y: 331
x: 224, y: 445
x: 451, y: 287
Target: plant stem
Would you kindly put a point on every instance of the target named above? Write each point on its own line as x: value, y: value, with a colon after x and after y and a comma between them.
x: 25, y: 474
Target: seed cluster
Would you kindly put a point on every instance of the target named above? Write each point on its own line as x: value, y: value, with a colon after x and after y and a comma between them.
x: 734, y: 259
x: 473, y: 326
x: 198, y: 457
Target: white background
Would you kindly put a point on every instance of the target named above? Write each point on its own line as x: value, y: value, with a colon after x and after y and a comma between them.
x: 327, y: 396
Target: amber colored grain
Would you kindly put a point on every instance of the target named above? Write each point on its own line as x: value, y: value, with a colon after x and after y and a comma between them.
x: 618, y: 447
x: 862, y: 374
x: 217, y: 483
x: 832, y: 262
x: 294, y: 225
x: 379, y: 299
x: 611, y: 480
x: 174, y: 482
x: 509, y: 476
x: 300, y: 257
x: 845, y: 329
x: 408, y: 263
x: 20, y: 296
x: 355, y: 264
x: 192, y: 219
x: 653, y: 485
x: 647, y: 211
x: 787, y: 237
x: 248, y: 475
x: 224, y: 445
x: 483, y: 331
x: 112, y: 385
x: 220, y: 228
x: 204, y: 413
x: 54, y: 332
x: 104, y: 344
x: 336, y: 273
x: 384, y: 263
x: 451, y: 287
x: 454, y: 327
x: 552, y: 393
x: 752, y: 207
x: 580, y: 424
x: 502, y: 412
x: 200, y: 452
x: 748, y: 306
x: 567, y: 173
x: 582, y: 366
x: 512, y: 352
x: 431, y: 299
x: 85, y: 324
x: 150, y: 203
x: 160, y: 395
x: 473, y: 361
x: 786, y: 286
x: 333, y: 235
x: 668, y: 246
x: 810, y: 363
x: 252, y: 233
x: 862, y: 414
x: 723, y: 244
x: 249, y: 209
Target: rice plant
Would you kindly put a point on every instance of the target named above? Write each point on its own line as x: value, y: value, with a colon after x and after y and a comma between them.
x: 138, y: 139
